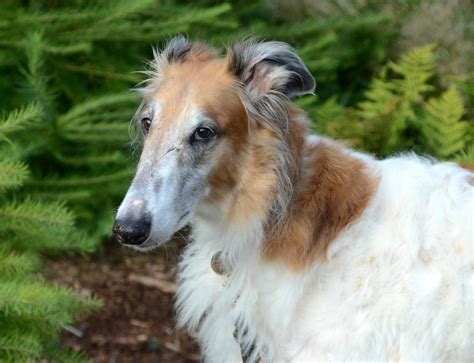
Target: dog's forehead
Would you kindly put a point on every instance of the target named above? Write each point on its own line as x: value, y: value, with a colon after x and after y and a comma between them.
x: 191, y: 88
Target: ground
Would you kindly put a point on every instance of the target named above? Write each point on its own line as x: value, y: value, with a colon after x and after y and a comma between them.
x: 136, y: 322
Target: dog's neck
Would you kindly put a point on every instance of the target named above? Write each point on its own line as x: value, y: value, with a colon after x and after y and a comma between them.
x: 292, y: 196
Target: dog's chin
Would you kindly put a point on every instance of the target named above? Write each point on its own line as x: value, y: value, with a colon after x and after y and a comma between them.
x: 148, y: 245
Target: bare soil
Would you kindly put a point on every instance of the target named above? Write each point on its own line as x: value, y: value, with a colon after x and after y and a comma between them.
x: 136, y: 322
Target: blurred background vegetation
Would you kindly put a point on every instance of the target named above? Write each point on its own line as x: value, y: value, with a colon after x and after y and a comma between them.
x: 392, y: 76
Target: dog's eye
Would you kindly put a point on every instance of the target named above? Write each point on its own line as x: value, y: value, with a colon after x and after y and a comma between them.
x: 146, y: 123
x: 203, y: 133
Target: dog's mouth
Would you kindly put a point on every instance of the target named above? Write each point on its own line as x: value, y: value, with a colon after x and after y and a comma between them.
x: 149, y: 245
x: 152, y: 238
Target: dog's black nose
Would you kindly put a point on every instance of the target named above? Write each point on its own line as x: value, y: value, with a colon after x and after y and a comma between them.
x: 132, y: 232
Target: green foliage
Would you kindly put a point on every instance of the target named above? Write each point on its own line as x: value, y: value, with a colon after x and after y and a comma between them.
x: 12, y: 173
x: 403, y: 109
x: 444, y: 131
x: 32, y: 312
x: 391, y: 101
x: 16, y: 265
x: 18, y: 119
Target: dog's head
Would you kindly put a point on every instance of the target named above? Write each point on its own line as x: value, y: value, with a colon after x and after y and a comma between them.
x: 197, y: 115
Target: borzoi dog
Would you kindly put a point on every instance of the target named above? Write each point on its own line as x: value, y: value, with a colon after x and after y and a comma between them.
x: 301, y: 249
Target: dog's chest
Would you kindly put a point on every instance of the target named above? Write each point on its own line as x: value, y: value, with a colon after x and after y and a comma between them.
x: 244, y: 306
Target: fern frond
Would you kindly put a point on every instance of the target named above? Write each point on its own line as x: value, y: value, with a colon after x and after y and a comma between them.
x: 444, y: 131
x: 416, y: 67
x: 381, y: 99
x: 393, y: 105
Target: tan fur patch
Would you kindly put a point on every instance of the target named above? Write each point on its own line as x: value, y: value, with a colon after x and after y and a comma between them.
x: 334, y: 190
x: 196, y: 83
x: 257, y: 179
x: 205, y: 83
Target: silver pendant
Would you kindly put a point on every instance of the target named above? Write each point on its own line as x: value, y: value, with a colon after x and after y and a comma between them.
x: 217, y: 264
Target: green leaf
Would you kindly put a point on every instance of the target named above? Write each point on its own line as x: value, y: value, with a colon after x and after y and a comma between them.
x: 395, y: 101
x: 444, y: 130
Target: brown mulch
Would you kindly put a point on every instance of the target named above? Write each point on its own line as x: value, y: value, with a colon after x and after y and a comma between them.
x: 136, y: 322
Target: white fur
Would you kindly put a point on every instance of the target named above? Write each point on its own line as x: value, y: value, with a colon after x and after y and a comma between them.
x: 398, y: 285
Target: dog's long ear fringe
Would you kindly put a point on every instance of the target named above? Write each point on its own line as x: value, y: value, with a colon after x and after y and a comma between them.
x: 263, y: 67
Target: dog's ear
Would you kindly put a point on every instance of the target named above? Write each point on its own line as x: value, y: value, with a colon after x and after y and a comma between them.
x: 179, y: 49
x: 263, y: 67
